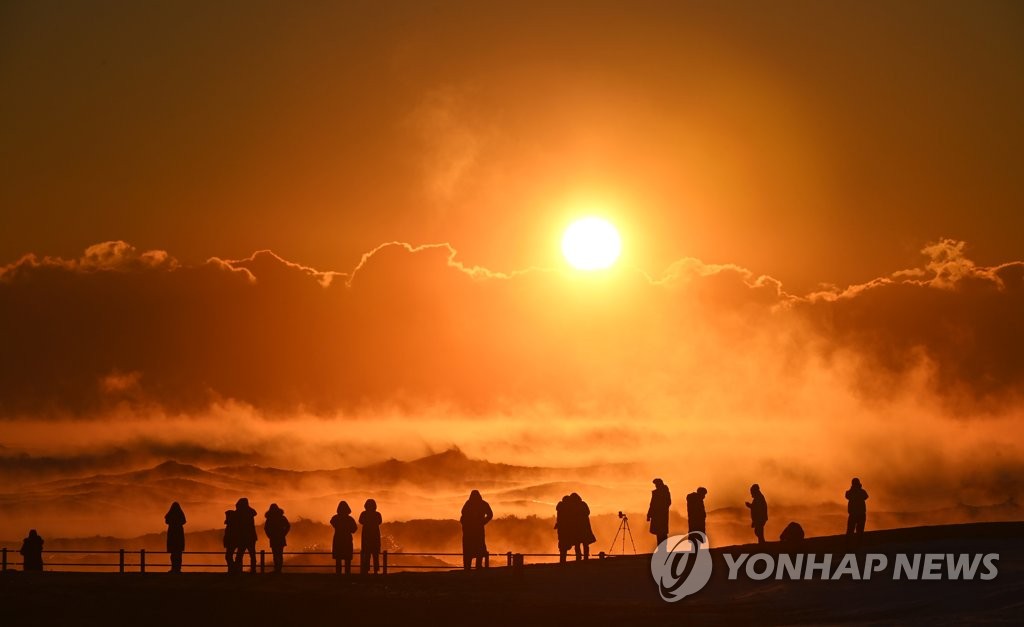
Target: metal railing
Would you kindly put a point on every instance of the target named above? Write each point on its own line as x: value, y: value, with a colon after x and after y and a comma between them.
x: 136, y: 560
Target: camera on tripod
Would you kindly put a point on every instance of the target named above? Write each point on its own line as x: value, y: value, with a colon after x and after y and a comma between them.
x: 623, y: 531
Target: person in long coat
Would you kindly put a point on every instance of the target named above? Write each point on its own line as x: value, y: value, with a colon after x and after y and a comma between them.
x: 566, y: 526
x: 371, y: 520
x: 277, y: 527
x: 245, y: 521
x: 231, y: 533
x: 758, y: 512
x: 857, y: 509
x: 657, y: 513
x: 476, y: 513
x: 696, y: 514
x: 585, y: 532
x: 32, y: 552
x: 175, y: 521
x: 341, y: 548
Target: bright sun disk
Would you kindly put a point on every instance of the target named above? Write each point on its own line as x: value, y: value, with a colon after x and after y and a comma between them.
x: 591, y: 243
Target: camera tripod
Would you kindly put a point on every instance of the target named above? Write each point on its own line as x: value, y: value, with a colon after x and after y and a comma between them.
x: 624, y: 530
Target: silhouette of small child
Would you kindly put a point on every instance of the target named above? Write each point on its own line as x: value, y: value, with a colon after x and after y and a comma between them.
x: 341, y: 549
x: 371, y: 521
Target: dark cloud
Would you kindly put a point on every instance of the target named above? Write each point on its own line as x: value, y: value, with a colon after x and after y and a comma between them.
x: 957, y: 321
x: 412, y: 325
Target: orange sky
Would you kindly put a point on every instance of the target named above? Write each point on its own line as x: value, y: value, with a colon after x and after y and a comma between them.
x: 816, y: 142
x: 819, y: 203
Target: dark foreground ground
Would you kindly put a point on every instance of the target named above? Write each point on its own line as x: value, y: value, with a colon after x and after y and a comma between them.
x: 614, y: 591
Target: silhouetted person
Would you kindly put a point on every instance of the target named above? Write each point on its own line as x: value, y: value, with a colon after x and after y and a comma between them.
x: 370, y: 519
x: 231, y: 540
x: 476, y: 513
x: 341, y: 548
x: 857, y: 508
x: 657, y: 513
x: 277, y: 527
x: 245, y: 521
x: 32, y: 552
x: 695, y: 513
x: 563, y: 527
x: 792, y: 534
x: 585, y: 533
x: 175, y: 521
x: 758, y: 512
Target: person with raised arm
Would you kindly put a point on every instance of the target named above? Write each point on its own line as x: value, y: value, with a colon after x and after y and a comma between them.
x: 758, y: 507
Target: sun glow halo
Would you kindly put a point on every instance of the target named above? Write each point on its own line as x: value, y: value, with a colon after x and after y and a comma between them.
x: 591, y: 243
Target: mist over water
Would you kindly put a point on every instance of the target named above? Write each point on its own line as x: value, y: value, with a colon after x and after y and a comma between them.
x: 709, y: 375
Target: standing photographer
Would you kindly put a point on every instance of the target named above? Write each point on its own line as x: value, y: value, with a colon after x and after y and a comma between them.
x: 657, y: 513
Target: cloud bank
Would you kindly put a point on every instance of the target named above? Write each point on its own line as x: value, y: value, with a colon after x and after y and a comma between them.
x: 717, y: 373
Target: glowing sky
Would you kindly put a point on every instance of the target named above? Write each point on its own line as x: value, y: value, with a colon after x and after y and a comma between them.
x: 816, y: 142
x: 326, y: 233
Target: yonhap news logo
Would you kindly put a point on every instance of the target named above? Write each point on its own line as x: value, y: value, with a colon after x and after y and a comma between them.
x: 905, y: 566
x: 682, y: 565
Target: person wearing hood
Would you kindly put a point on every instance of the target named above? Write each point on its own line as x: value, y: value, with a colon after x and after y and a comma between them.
x: 371, y: 521
x: 476, y: 513
x: 175, y: 521
x: 342, y: 546
x: 245, y: 522
x: 276, y: 527
x: 32, y: 552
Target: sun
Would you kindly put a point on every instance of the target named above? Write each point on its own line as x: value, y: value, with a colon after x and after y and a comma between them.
x: 591, y: 243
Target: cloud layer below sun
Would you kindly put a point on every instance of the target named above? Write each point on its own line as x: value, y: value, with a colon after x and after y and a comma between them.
x: 712, y: 373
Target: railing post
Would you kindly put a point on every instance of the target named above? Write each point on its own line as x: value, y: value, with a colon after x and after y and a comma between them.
x: 263, y: 561
x: 600, y: 555
x: 121, y: 562
x: 384, y: 558
x: 487, y: 560
x: 142, y: 560
x: 508, y: 558
x: 4, y: 560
